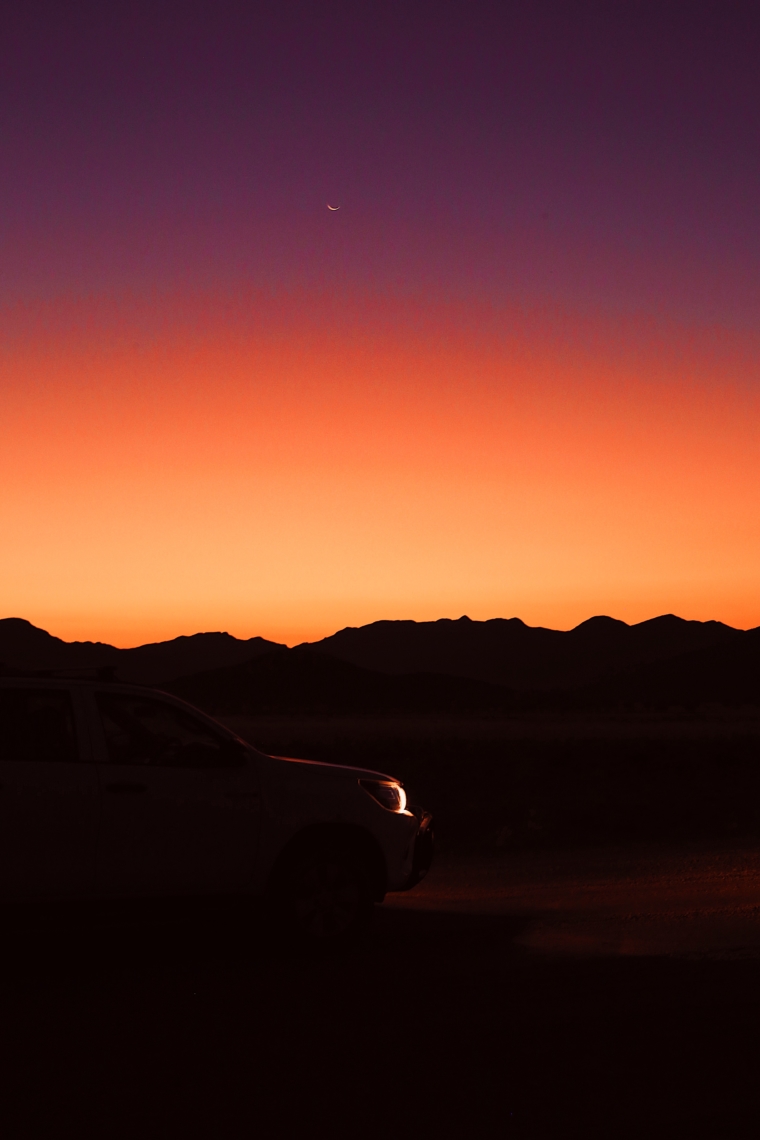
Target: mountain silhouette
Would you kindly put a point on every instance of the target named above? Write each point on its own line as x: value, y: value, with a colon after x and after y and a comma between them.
x: 508, y: 652
x: 497, y: 666
x: 725, y: 674
x: 24, y: 646
x: 301, y: 681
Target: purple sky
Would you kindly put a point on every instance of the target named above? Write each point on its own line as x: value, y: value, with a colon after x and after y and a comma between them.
x: 597, y: 155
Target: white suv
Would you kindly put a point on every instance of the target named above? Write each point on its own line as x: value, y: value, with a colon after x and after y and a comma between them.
x: 110, y: 790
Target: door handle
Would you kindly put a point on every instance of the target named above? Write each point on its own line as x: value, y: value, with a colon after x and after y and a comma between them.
x: 125, y: 788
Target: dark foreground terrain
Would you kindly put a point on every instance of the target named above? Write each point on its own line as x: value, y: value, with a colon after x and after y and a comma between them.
x: 583, y: 959
x: 603, y: 992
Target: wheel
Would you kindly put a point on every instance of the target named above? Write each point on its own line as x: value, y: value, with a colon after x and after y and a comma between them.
x: 324, y: 894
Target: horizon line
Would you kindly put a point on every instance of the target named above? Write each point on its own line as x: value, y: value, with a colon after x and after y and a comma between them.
x: 380, y: 621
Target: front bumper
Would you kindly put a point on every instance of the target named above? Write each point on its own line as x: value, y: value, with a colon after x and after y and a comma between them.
x: 423, y: 851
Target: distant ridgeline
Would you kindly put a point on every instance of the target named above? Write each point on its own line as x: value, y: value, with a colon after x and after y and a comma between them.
x: 458, y: 667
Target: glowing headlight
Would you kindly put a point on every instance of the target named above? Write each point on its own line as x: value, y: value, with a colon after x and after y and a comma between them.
x: 388, y: 795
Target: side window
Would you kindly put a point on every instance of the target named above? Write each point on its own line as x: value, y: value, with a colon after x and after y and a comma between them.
x: 37, y: 725
x: 143, y: 731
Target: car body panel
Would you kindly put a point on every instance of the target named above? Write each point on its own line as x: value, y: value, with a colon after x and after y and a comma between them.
x: 167, y: 830
x: 49, y: 816
x: 299, y: 794
x: 113, y: 829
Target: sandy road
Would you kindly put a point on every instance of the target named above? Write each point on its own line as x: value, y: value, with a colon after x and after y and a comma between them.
x: 643, y: 900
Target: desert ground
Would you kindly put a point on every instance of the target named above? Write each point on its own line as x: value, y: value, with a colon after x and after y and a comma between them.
x: 583, y: 959
x: 601, y: 991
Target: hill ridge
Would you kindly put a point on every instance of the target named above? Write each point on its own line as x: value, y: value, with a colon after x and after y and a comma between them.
x: 498, y: 651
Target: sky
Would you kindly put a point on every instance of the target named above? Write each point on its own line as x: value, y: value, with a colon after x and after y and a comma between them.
x: 516, y: 373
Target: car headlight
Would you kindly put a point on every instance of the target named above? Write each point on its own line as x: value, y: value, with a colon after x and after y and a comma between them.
x: 387, y: 793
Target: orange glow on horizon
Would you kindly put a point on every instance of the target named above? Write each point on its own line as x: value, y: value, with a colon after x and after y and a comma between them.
x: 293, y: 468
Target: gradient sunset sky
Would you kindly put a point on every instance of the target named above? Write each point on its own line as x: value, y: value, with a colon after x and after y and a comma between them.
x: 515, y: 374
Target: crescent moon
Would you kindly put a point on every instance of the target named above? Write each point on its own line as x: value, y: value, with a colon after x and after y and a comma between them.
x: 329, y: 207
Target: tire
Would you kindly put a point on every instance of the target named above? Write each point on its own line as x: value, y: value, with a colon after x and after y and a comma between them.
x: 324, y: 895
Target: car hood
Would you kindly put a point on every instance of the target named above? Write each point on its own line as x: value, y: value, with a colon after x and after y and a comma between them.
x: 336, y: 770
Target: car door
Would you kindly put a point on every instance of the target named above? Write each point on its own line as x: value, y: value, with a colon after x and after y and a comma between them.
x: 49, y: 799
x: 179, y: 800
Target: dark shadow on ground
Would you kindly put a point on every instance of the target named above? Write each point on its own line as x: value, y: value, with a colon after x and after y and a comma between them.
x: 193, y: 1020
